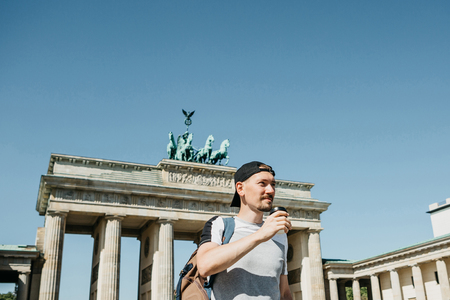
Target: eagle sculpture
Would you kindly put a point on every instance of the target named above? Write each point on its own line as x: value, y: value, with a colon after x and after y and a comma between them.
x: 188, y: 116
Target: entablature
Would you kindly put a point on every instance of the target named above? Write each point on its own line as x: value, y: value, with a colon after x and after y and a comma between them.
x: 422, y: 253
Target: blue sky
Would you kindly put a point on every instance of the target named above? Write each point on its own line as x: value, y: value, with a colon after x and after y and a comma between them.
x: 353, y: 96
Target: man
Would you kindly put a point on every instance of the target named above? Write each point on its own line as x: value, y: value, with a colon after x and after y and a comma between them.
x: 253, y: 264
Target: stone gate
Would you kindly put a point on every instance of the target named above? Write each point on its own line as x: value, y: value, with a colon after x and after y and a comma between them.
x: 157, y: 204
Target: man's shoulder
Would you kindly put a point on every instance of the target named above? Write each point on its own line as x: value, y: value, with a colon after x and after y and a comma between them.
x: 216, y: 220
x: 213, y: 230
x: 216, y: 228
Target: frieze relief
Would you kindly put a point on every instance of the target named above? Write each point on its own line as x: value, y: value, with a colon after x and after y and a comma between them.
x: 199, y: 179
x: 177, y: 204
x: 165, y: 203
x: 161, y: 202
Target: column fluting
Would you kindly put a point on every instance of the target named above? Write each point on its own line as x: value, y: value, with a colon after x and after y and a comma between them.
x: 356, y: 289
x: 375, y: 284
x: 334, y: 294
x: 443, y: 278
x: 315, y: 258
x: 108, y: 288
x: 418, y: 282
x: 55, y: 224
x: 165, y: 249
x: 395, y: 283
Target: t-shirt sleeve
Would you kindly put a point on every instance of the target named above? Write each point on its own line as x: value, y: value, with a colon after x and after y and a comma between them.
x: 213, y: 231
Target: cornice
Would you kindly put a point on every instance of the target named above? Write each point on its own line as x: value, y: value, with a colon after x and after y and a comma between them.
x: 294, y: 184
x: 417, y: 254
x: 167, y: 165
x: 95, y: 161
x: 26, y: 252
x: 178, y: 165
x: 405, y: 253
x: 49, y: 182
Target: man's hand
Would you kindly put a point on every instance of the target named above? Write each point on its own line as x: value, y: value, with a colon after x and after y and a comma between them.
x: 213, y: 258
x: 274, y: 223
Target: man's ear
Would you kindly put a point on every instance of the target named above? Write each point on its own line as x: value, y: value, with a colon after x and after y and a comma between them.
x: 240, y: 188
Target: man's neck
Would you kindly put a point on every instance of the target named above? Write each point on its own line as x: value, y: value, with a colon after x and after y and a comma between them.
x: 251, y: 216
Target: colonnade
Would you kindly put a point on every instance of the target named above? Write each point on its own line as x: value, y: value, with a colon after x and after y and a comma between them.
x: 106, y: 260
x: 106, y: 285
x: 337, y: 290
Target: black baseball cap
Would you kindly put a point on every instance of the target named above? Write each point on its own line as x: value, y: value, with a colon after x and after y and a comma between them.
x: 244, y: 172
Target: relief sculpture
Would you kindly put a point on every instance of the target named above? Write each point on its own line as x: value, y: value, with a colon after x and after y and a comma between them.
x: 110, y: 198
x: 124, y: 200
x: 193, y: 205
x: 177, y: 204
x: 204, y: 180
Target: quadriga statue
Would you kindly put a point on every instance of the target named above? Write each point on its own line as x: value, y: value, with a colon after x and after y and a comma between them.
x: 222, y: 153
x: 203, y: 155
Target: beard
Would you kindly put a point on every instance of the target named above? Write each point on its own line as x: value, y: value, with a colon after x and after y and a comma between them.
x: 265, y: 207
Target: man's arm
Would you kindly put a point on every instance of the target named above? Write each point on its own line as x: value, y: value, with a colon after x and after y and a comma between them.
x: 285, y: 292
x: 213, y: 258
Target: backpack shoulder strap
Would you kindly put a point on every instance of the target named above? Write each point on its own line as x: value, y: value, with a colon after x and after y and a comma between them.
x: 228, y: 229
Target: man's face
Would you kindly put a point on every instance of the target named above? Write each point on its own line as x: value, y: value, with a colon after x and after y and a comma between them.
x: 259, y: 191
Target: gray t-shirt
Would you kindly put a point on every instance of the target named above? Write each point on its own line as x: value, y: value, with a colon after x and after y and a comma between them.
x: 257, y: 274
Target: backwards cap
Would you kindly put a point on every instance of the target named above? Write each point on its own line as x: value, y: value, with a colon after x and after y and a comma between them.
x: 244, y: 172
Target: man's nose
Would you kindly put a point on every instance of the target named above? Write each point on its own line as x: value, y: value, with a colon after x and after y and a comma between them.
x: 270, y: 189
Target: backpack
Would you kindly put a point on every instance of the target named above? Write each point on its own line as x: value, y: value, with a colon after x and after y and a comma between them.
x: 191, y: 286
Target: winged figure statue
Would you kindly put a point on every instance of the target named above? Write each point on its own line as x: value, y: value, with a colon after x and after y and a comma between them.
x: 188, y: 116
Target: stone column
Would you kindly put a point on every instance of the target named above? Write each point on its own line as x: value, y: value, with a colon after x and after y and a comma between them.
x: 23, y: 285
x: 443, y: 279
x: 55, y: 225
x: 334, y: 294
x: 165, y: 257
x: 395, y: 283
x: 418, y: 282
x: 375, y: 284
x: 315, y: 260
x: 108, y: 288
x: 342, y: 291
x: 305, y: 270
x: 356, y: 289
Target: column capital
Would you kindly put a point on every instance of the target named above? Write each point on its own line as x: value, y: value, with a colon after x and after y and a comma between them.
x: 374, y: 275
x: 393, y: 270
x: 355, y: 279
x: 166, y: 220
x: 114, y: 217
x: 413, y: 265
x: 62, y: 213
x: 27, y: 272
x: 314, y: 230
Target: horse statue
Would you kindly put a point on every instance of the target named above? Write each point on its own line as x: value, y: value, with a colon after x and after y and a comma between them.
x: 218, y: 155
x: 171, y: 147
x: 189, y: 150
x: 204, y: 153
x: 184, y: 148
